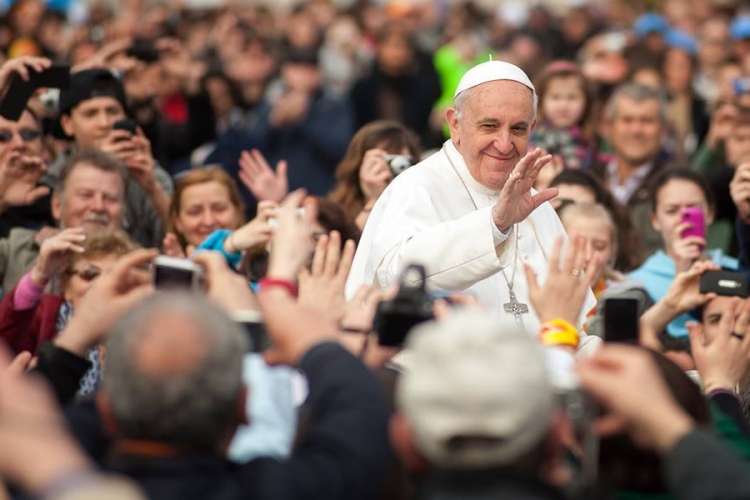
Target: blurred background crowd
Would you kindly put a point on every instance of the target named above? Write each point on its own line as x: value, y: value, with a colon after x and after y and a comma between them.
x: 190, y: 126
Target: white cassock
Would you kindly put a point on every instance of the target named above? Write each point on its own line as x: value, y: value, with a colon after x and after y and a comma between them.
x: 436, y: 214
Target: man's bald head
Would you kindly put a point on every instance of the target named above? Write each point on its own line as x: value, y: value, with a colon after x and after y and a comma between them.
x: 174, y: 372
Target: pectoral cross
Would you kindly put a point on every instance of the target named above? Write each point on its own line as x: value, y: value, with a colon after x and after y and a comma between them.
x: 516, y: 308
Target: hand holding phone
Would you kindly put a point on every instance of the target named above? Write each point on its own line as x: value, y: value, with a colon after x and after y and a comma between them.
x: 696, y: 221
x: 727, y: 283
x: 20, y: 90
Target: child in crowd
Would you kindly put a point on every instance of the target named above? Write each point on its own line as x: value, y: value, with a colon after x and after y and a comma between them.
x: 566, y: 116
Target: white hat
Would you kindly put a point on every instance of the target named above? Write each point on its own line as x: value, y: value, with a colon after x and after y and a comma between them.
x: 476, y: 391
x: 491, y: 71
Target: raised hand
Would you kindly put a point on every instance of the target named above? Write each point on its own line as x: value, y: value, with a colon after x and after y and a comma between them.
x: 19, y: 175
x: 292, y: 242
x: 687, y: 250
x: 256, y: 174
x: 723, y: 361
x: 516, y: 201
x: 564, y: 293
x: 20, y: 66
x: 104, y: 57
x: 322, y: 288
x: 374, y: 175
x: 37, y: 449
x: 684, y: 293
x: 627, y: 382
x: 256, y: 232
x: 56, y: 253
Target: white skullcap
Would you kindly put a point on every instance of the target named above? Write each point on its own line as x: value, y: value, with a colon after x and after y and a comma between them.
x: 491, y: 71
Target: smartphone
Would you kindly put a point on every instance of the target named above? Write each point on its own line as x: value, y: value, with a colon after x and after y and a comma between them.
x: 171, y: 273
x: 694, y: 216
x: 143, y: 50
x: 126, y: 124
x: 727, y: 283
x: 252, y: 323
x: 19, y: 92
x: 621, y: 321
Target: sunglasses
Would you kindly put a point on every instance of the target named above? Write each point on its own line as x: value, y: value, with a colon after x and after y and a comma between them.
x: 26, y: 135
x: 86, y: 274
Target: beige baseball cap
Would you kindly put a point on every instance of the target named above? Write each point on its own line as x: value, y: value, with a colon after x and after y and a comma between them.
x: 491, y: 71
x: 475, y: 391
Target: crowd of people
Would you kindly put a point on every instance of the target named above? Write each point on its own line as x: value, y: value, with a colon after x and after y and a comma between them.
x: 407, y: 225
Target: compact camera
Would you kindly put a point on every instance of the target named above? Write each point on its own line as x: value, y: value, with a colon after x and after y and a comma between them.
x: 398, y: 163
x: 171, y: 273
x: 411, y: 306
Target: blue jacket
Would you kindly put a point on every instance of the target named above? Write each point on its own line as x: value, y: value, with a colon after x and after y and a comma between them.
x: 657, y: 274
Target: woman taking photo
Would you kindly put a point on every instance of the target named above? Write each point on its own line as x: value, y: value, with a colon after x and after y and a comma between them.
x: 374, y: 156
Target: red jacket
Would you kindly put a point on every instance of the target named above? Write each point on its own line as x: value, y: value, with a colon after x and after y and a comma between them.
x: 27, y: 330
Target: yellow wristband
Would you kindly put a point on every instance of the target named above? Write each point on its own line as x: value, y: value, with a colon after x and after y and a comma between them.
x: 560, y: 338
x: 559, y: 332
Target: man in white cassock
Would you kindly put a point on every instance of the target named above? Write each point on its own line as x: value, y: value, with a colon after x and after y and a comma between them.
x: 469, y: 213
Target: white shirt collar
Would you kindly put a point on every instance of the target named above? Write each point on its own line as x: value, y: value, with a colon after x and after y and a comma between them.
x: 463, y: 171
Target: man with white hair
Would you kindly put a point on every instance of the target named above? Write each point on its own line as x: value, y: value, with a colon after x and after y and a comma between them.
x: 469, y: 213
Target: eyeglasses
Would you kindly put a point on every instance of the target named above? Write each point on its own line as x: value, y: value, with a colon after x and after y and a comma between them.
x: 26, y: 135
x: 86, y: 274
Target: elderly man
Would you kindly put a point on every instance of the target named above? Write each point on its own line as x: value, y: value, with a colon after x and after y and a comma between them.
x: 636, y: 116
x: 469, y: 213
x: 91, y: 106
x: 90, y: 194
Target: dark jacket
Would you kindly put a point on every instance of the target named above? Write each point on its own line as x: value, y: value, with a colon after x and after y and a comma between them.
x: 343, y: 455
x: 486, y: 485
x: 699, y: 467
x: 639, y: 205
x: 415, y: 95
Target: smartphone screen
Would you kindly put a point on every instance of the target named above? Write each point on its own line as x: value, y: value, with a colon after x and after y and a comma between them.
x: 621, y: 321
x: 694, y: 217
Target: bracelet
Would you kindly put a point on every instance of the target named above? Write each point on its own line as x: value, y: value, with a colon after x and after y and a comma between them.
x: 559, y: 332
x: 288, y: 285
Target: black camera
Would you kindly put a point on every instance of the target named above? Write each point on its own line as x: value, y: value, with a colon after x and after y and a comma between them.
x: 411, y: 306
x: 398, y: 163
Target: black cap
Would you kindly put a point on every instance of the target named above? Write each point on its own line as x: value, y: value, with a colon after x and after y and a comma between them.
x: 88, y: 84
